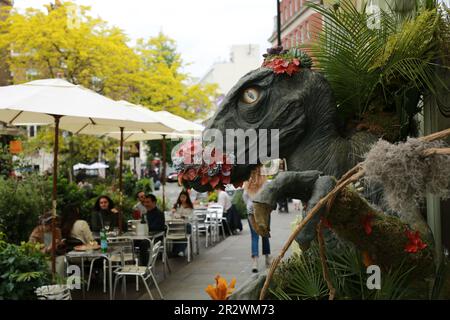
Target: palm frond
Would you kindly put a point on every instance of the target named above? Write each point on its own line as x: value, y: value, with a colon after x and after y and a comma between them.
x: 360, y: 62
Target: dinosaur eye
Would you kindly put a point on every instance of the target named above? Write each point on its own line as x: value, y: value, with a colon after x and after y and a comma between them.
x: 250, y: 95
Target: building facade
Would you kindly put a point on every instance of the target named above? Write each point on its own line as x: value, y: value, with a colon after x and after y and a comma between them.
x: 299, y: 24
x: 243, y: 58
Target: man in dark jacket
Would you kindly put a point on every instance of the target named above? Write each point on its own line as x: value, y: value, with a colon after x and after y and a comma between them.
x: 155, y: 218
x: 156, y: 222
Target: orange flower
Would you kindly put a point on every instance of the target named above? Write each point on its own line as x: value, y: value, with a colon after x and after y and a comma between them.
x: 367, y: 259
x: 221, y: 291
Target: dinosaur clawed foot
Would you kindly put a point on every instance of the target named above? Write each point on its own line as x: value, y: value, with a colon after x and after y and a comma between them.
x: 262, y: 218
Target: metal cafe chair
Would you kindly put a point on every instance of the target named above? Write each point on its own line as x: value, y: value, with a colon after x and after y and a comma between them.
x: 203, y: 225
x: 223, y: 219
x: 125, y: 254
x: 177, y: 232
x: 216, y: 216
x: 141, y: 272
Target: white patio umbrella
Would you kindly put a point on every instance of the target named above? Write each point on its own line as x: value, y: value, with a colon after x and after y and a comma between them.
x: 135, y: 136
x: 182, y: 128
x: 80, y: 166
x: 153, y: 123
x: 97, y: 165
x: 62, y: 103
x: 179, y: 127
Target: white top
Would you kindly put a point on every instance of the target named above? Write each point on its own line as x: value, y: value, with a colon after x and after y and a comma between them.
x: 82, y: 232
x: 224, y: 200
x: 184, y: 212
x: 248, y: 201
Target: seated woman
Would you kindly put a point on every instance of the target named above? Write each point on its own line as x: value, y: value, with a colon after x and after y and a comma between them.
x: 104, y: 215
x: 182, y: 209
x: 73, y: 229
x: 43, y: 233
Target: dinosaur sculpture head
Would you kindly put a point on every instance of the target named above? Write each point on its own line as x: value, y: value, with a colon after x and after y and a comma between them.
x: 300, y: 106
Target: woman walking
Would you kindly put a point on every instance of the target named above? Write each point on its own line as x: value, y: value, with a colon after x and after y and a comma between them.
x: 251, y: 188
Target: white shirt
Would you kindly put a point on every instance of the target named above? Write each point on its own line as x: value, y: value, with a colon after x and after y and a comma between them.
x: 224, y: 200
x: 82, y: 232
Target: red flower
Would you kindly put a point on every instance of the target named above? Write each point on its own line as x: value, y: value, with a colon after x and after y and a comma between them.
x: 326, y: 223
x: 367, y: 223
x: 280, y: 66
x: 214, y: 181
x: 415, y: 244
x: 204, y: 180
x: 180, y: 179
x: 226, y: 179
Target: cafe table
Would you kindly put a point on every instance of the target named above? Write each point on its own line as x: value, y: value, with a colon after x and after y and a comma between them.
x: 94, y: 254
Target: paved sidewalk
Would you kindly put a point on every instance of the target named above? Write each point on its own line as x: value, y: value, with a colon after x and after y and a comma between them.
x: 229, y: 258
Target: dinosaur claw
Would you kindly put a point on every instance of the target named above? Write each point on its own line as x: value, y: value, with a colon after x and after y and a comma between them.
x: 262, y: 218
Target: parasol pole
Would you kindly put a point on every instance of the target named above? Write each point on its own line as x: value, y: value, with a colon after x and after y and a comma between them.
x: 55, y: 192
x: 163, y: 172
x: 121, y: 180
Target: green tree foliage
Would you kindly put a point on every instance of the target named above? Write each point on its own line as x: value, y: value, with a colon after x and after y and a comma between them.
x: 65, y: 40
x: 164, y: 85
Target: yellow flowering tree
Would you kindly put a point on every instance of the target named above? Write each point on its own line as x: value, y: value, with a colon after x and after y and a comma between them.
x: 63, y: 40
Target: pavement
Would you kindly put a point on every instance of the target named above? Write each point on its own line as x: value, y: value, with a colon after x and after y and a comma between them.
x: 230, y: 257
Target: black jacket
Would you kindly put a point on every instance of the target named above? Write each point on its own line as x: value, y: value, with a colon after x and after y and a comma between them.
x: 99, y: 218
x: 156, y: 220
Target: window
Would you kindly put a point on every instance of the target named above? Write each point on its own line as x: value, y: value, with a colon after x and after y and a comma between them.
x: 308, y: 33
x: 291, y: 8
x: 302, y: 38
x: 299, y: 40
x: 286, y: 14
x: 32, y: 131
x: 296, y: 5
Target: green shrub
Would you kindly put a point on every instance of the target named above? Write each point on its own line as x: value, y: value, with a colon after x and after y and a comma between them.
x: 21, y: 204
x: 22, y: 269
x: 300, y: 277
x: 129, y: 184
x: 145, y: 185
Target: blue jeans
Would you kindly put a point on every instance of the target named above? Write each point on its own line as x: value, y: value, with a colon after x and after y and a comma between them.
x: 255, y: 243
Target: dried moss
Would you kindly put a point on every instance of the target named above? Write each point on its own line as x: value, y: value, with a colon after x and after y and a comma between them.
x: 406, y: 174
x: 387, y: 241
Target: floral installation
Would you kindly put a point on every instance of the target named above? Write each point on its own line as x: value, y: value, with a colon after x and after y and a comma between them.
x: 286, y: 61
x: 415, y: 244
x: 222, y: 291
x: 189, y: 162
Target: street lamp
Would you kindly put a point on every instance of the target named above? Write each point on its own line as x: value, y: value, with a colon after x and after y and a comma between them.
x: 278, y: 23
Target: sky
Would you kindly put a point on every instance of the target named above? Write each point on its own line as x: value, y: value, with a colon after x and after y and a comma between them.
x: 204, y: 30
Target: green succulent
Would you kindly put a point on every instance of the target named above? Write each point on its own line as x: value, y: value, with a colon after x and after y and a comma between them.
x: 305, y: 59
